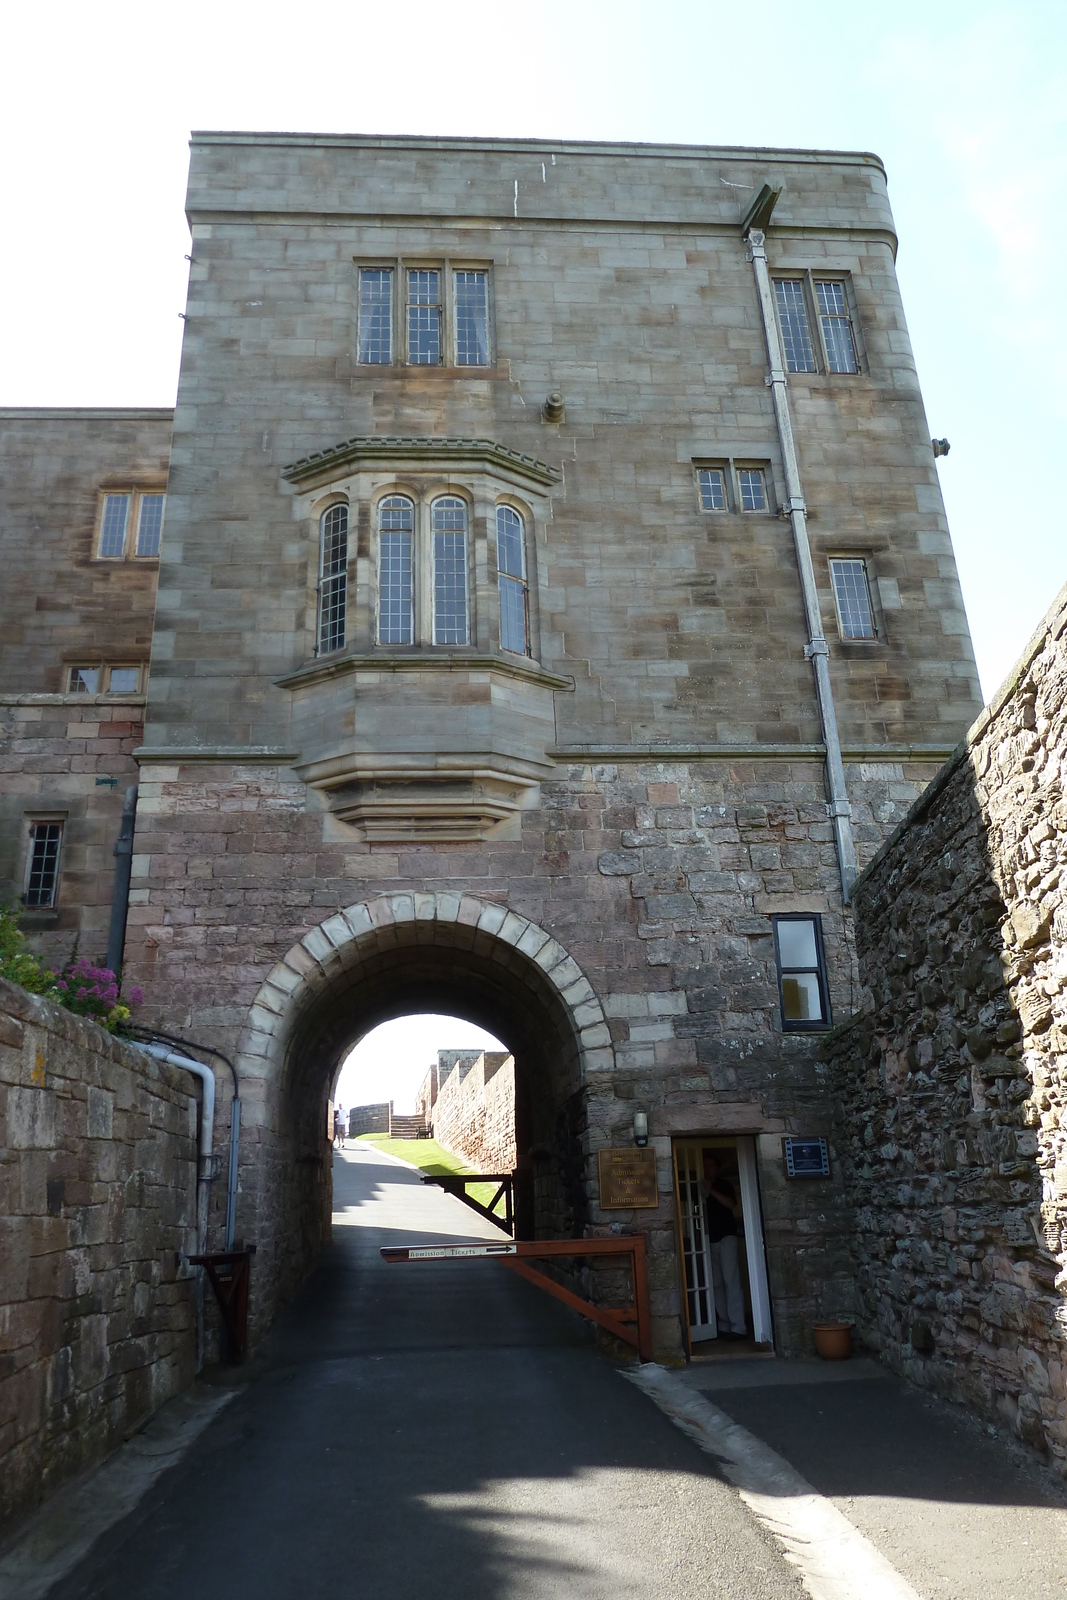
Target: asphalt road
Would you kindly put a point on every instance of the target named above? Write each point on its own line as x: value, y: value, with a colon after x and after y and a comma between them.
x: 440, y: 1431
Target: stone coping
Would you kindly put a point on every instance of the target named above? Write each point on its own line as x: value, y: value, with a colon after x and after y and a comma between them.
x: 87, y: 413
x: 450, y: 661
x: 986, y: 717
x: 748, y: 748
x: 114, y: 701
x: 433, y: 451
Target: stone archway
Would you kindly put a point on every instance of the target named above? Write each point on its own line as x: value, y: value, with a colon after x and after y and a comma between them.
x: 381, y: 958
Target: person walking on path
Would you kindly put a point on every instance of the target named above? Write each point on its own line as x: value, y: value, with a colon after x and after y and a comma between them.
x: 339, y: 1126
x: 720, y: 1203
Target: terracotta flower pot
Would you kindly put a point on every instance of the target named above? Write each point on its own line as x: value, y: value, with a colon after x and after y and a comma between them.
x: 833, y: 1340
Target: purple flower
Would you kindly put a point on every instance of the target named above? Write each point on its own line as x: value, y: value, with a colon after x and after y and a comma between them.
x: 135, y: 996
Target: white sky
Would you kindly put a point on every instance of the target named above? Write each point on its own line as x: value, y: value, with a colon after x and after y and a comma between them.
x: 390, y: 1062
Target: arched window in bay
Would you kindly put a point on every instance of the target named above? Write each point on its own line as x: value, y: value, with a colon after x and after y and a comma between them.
x: 396, y: 537
x: 511, y: 578
x: 451, y: 611
x: 333, y: 578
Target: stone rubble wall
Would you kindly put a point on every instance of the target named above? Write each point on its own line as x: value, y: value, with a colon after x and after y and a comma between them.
x: 952, y: 1085
x: 475, y: 1113
x: 97, y: 1198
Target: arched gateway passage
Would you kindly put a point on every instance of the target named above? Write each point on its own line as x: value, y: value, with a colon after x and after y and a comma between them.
x: 380, y: 959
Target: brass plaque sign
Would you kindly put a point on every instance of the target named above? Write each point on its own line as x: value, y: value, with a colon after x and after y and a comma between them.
x: 628, y: 1180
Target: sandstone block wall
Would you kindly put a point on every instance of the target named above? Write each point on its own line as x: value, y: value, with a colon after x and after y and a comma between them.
x: 370, y: 1119
x: 97, y: 1197
x: 475, y: 1113
x: 952, y: 1085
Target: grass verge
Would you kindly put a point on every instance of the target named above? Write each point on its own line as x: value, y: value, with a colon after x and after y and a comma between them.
x: 434, y: 1160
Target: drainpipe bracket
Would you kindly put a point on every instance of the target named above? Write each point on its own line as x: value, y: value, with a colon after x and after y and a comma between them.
x: 838, y: 808
x: 817, y: 647
x: 790, y: 507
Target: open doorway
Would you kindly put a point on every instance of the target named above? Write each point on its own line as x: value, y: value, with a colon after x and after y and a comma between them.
x: 724, y: 1303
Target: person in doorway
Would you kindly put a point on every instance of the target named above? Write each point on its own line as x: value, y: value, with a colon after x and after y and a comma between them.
x: 339, y: 1126
x: 720, y: 1205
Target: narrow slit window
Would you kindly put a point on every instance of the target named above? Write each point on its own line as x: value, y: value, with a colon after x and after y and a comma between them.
x: 836, y: 323
x: 376, y: 316
x: 396, y: 531
x: 150, y: 525
x: 472, y: 318
x: 752, y: 484
x: 85, y: 680
x: 113, y: 525
x: 424, y: 317
x: 448, y: 518
x: 511, y: 580
x: 333, y: 578
x: 42, y: 874
x: 712, y: 482
x: 123, y: 680
x: 852, y: 595
x: 801, y: 965
x: 796, y: 330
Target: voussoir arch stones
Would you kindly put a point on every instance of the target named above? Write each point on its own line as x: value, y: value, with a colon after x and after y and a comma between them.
x: 320, y: 958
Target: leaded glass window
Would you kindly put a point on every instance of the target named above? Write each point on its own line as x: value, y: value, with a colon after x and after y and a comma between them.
x: 836, y: 325
x: 375, y: 316
x: 333, y: 578
x: 424, y: 317
x: 752, y: 485
x: 472, y: 318
x: 511, y: 580
x: 793, y: 319
x: 113, y: 525
x: 712, y: 482
x: 852, y: 594
x: 396, y: 538
x: 42, y: 875
x: 448, y: 520
x: 150, y: 525
x: 123, y: 680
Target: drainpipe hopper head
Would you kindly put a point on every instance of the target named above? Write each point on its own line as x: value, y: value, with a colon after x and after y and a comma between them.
x: 758, y: 214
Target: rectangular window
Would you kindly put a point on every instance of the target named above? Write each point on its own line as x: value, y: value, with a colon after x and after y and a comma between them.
x: 85, y: 680
x: 449, y: 519
x: 836, y: 324
x: 511, y: 579
x: 852, y: 595
x: 113, y: 526
x: 123, y: 680
x: 150, y: 525
x: 42, y: 868
x: 752, y: 486
x: 802, y: 990
x: 395, y: 547
x: 424, y: 317
x: 793, y: 320
x: 712, y: 482
x: 471, y: 303
x: 375, y: 316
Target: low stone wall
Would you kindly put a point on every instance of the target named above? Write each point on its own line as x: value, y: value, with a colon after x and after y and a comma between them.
x: 475, y: 1113
x: 952, y: 1085
x: 370, y: 1119
x: 97, y: 1197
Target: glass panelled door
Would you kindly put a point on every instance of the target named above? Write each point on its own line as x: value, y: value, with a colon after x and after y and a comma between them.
x: 700, y: 1295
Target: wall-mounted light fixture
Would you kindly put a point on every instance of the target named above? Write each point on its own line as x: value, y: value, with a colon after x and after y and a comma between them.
x: 640, y: 1129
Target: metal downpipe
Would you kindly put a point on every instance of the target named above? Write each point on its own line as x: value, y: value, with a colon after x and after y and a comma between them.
x: 817, y: 651
x: 120, y: 893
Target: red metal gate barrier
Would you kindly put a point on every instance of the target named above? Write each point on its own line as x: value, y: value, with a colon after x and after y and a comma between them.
x: 631, y: 1323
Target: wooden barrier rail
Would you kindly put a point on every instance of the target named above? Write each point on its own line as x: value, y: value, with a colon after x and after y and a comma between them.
x: 630, y: 1323
x: 455, y: 1183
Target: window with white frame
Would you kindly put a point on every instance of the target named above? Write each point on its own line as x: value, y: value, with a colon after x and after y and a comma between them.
x: 435, y: 328
x: 802, y: 988
x: 711, y: 482
x: 333, y: 578
x: 396, y: 548
x: 831, y: 345
x: 129, y: 524
x: 448, y: 521
x: 376, y: 316
x: 85, y: 680
x: 852, y: 596
x: 752, y: 488
x: 42, y: 864
x: 511, y: 581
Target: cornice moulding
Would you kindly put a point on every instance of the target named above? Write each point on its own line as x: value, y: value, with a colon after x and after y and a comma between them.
x: 323, y: 671
x: 388, y: 450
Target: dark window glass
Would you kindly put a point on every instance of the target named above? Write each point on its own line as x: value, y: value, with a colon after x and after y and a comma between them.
x: 375, y: 316
x: 853, y: 596
x: 43, y: 878
x: 712, y: 489
x: 511, y: 580
x: 424, y: 317
x: 472, y: 318
x: 113, y: 524
x: 801, y: 973
x: 448, y: 517
x: 150, y: 525
x: 396, y: 533
x: 836, y: 325
x: 793, y: 319
x: 333, y: 578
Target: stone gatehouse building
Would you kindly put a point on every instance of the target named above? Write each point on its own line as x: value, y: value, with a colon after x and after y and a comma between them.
x: 554, y: 605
